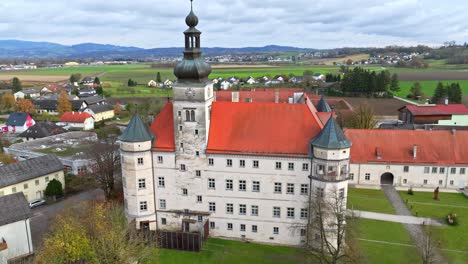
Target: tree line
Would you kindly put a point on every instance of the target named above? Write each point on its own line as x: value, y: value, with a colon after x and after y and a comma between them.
x: 359, y: 81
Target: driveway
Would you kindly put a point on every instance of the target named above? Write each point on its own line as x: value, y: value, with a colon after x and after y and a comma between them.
x: 43, y: 215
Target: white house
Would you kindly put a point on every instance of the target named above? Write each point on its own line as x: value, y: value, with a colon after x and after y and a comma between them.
x: 226, y: 85
x: 19, y: 122
x: 77, y: 120
x: 251, y: 80
x: 152, y: 83
x: 15, y: 230
x: 32, y: 93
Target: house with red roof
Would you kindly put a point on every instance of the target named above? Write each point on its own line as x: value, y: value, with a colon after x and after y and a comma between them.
x: 440, y: 114
x: 242, y: 165
x: 418, y: 158
x: 77, y: 121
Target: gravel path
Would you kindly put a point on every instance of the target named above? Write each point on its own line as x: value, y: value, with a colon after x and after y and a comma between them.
x: 416, y: 232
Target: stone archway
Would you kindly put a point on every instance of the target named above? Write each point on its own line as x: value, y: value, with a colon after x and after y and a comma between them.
x: 387, y: 179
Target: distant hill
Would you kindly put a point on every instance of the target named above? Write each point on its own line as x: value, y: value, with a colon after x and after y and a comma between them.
x: 29, y: 49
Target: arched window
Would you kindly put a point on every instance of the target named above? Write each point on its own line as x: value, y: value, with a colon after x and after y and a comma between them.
x: 192, y: 114
x: 187, y: 115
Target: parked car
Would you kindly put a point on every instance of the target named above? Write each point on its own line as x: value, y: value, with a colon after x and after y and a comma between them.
x: 36, y: 203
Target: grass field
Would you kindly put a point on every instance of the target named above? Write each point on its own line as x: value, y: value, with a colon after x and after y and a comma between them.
x: 369, y: 200
x: 450, y: 237
x: 428, y: 87
x: 231, y: 252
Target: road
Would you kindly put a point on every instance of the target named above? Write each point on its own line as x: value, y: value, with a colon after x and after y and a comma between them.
x: 43, y: 215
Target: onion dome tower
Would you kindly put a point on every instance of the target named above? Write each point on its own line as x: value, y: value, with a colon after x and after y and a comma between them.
x: 192, y: 69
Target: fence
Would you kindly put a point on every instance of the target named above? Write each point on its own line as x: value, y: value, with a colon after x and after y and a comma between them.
x: 180, y: 240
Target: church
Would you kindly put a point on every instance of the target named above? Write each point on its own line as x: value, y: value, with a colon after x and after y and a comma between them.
x: 247, y: 168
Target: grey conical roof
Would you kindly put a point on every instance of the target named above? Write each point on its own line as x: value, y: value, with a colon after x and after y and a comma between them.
x: 331, y: 137
x: 136, y: 131
x: 323, y: 106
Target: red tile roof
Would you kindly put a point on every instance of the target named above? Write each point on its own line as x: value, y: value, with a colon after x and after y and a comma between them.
x: 261, y: 129
x: 163, y: 129
x: 396, y: 146
x: 441, y: 109
x: 75, y: 117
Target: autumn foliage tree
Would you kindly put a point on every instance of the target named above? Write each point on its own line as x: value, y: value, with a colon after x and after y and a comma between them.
x: 8, y: 102
x: 25, y: 106
x: 363, y: 118
x: 64, y: 104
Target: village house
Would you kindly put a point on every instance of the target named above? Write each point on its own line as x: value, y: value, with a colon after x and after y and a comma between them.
x: 87, y: 81
x: 152, y: 83
x: 51, y: 88
x: 31, y: 176
x: 440, y: 114
x: 27, y: 93
x: 41, y: 130
x: 77, y: 121
x: 86, y: 92
x: 19, y: 122
x: 250, y: 80
x: 100, y: 111
x: 15, y: 231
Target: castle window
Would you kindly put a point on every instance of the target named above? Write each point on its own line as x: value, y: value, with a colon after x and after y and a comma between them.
x: 187, y: 115
x: 319, y: 192
x: 212, y: 207
x: 162, y: 203
x: 254, y: 229
x: 462, y: 170
x: 211, y: 184
x: 425, y: 182
x: 182, y: 167
x: 192, y: 115
x: 242, y: 209
x: 305, y: 166
x: 290, y: 212
x: 276, y: 212
x: 242, y: 163
x: 197, y: 153
x: 229, y: 208
x: 242, y: 186
x: 351, y: 176
x: 278, y: 165
x: 161, y: 182
x: 141, y: 184
x: 277, y: 187
x: 426, y: 169
x: 441, y: 182
x: 242, y: 227
x: 290, y: 188
x: 143, y: 206
x: 210, y: 162
x: 229, y: 226
x: 290, y: 166
x: 179, y: 113
x: 254, y: 211
x: 196, y: 131
x: 198, y: 173
x: 453, y: 170
x: 303, y: 232
x: 405, y: 181
x: 229, y: 185
x: 255, y: 164
x: 275, y: 230
x: 441, y: 170
x: 367, y: 176
x: 199, y: 199
x: 434, y: 169
x: 160, y: 159
x: 451, y: 182
x: 229, y: 162
x: 255, y: 186
x: 341, y: 193
x: 163, y: 221
x: 304, y: 189
x: 406, y: 169
x: 304, y: 213
x: 212, y: 225
x: 140, y: 161
x: 184, y: 191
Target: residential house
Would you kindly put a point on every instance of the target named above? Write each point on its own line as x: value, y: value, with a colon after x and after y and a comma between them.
x: 15, y: 230
x: 31, y: 176
x: 168, y: 84
x: 440, y: 114
x: 86, y: 92
x: 319, y: 77
x: 51, y: 88
x: 41, y: 130
x: 88, y: 81
x: 281, y: 78
x: 71, y: 88
x: 77, y: 121
x: 296, y: 79
x: 27, y: 93
x: 251, y: 80
x: 100, y: 111
x: 152, y: 83
x: 226, y: 85
x: 48, y: 106
x: 19, y: 122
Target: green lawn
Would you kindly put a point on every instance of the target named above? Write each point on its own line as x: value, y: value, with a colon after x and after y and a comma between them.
x: 428, y: 87
x: 451, y: 237
x: 382, y: 253
x: 369, y: 200
x: 231, y: 252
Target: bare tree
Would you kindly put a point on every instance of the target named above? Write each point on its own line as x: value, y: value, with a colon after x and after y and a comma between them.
x: 106, y: 160
x: 364, y: 118
x: 429, y: 246
x: 329, y: 230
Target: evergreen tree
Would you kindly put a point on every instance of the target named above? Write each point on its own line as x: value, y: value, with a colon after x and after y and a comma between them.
x: 454, y: 93
x: 75, y: 77
x: 99, y: 90
x: 54, y: 188
x: 158, y: 77
x: 97, y: 81
x: 439, y: 94
x: 16, y: 85
x: 394, y: 84
x: 416, y: 89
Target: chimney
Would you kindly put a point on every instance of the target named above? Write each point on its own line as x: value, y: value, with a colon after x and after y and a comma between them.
x: 276, y: 96
x: 73, y: 112
x: 415, y: 151
x: 454, y: 132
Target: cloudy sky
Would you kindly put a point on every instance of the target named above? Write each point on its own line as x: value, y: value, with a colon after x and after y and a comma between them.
x: 237, y: 23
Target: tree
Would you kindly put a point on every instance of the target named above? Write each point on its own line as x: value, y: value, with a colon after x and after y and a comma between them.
x: 394, y: 83
x: 363, y: 118
x: 8, y: 102
x: 94, y: 232
x: 440, y: 94
x: 105, y: 156
x: 328, y: 229
x: 118, y: 108
x: 416, y: 89
x: 75, y: 77
x: 16, y: 85
x: 349, y: 62
x: 132, y: 83
x: 97, y: 81
x: 308, y: 73
x: 54, y: 188
x: 428, y: 246
x: 454, y: 93
x: 25, y: 106
x: 64, y: 104
x: 6, y: 159
x: 158, y: 77
x: 99, y: 90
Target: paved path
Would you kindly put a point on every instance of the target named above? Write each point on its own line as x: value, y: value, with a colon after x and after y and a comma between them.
x: 405, y: 100
x: 416, y: 232
x: 42, y: 216
x: 394, y: 218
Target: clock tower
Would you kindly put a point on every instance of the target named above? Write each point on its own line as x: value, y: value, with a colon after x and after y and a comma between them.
x: 192, y: 96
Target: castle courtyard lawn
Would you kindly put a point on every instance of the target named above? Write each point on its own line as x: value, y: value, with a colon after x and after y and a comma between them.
x: 450, y: 237
x: 369, y: 200
x: 231, y: 252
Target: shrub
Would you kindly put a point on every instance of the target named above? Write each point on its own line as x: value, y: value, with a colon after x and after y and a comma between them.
x: 54, y: 188
x: 410, y: 191
x: 452, y: 219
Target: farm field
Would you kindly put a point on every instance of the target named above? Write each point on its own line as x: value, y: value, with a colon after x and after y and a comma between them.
x: 428, y: 87
x: 450, y: 237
